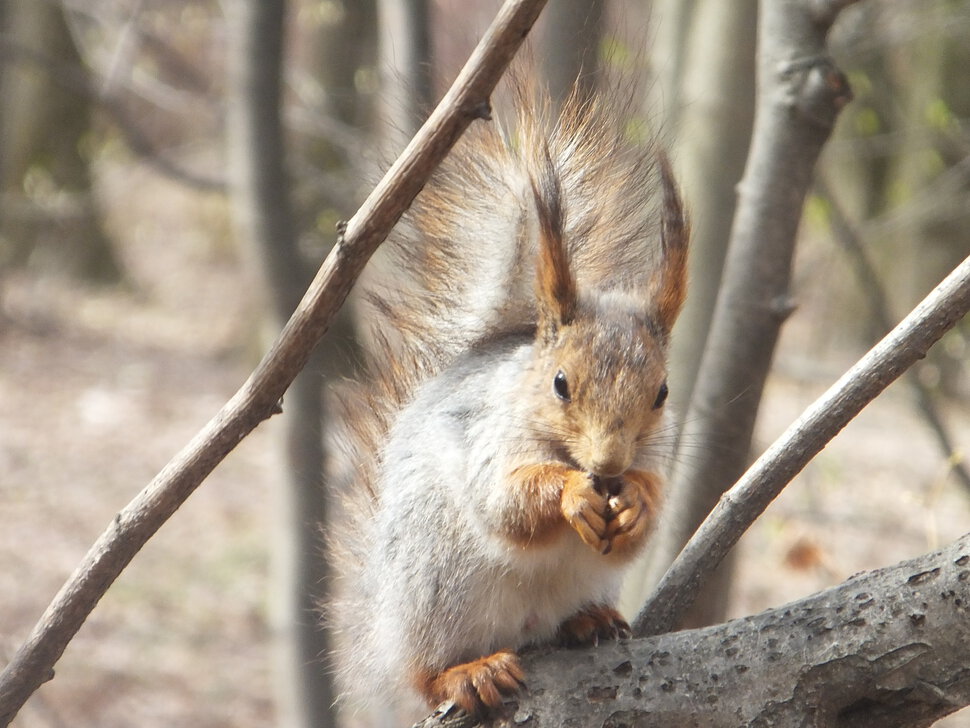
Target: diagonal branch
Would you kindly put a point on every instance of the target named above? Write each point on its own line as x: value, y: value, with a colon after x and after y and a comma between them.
x: 885, y: 649
x: 260, y: 395
x: 804, y: 439
x: 800, y: 94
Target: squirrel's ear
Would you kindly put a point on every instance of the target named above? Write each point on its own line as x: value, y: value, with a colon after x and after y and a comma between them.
x: 668, y: 286
x: 555, y: 286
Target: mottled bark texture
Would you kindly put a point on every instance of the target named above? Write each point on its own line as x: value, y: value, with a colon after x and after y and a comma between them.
x: 886, y: 648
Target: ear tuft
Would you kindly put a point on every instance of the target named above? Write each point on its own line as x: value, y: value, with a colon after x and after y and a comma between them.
x: 669, y: 284
x: 555, y: 285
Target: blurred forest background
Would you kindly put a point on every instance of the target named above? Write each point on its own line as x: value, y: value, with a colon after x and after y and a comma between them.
x: 159, y: 220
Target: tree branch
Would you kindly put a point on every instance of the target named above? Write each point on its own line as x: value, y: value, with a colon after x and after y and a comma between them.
x: 799, y: 96
x: 260, y: 396
x: 885, y: 649
x: 804, y: 439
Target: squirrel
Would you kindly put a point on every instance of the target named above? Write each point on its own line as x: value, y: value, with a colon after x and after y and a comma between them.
x: 504, y: 463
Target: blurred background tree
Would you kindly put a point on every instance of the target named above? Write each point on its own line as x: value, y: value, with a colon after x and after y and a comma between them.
x: 273, y: 116
x: 49, y: 213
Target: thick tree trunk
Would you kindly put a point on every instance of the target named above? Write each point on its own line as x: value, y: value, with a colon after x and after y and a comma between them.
x: 887, y: 648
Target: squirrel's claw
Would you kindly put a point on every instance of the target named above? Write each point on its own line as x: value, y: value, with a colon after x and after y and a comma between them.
x: 614, y: 519
x: 592, y: 624
x: 478, y: 687
x: 633, y: 509
x: 585, y: 510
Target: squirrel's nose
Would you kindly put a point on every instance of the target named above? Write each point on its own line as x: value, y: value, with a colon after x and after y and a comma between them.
x: 610, y: 457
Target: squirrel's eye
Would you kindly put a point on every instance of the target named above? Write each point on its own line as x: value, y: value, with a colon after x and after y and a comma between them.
x: 661, y: 396
x: 560, y: 386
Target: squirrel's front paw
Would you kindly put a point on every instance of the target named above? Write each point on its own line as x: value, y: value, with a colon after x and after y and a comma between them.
x: 477, y: 687
x: 632, y: 501
x: 586, y: 509
x: 611, y: 515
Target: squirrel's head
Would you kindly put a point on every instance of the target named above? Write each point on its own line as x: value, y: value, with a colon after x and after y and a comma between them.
x: 600, y: 368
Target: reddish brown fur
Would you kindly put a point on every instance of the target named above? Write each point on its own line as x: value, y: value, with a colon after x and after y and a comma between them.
x: 550, y: 495
x: 633, y: 512
x: 671, y: 288
x: 555, y: 285
x: 537, y: 516
x: 477, y: 686
x: 618, y: 524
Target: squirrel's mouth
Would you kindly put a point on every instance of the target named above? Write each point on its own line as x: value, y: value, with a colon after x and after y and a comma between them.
x: 607, y: 485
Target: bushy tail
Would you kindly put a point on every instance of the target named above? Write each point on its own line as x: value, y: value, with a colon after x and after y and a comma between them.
x: 460, y: 269
x: 460, y: 266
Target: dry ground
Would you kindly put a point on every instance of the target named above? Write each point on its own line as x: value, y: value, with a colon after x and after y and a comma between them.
x: 99, y: 389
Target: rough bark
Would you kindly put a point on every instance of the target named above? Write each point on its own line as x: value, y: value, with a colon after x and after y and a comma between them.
x: 259, y: 397
x: 800, y: 93
x: 886, y: 648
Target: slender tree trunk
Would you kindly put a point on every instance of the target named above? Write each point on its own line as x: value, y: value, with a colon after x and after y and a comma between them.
x: 670, y: 24
x: 265, y: 224
x: 714, y: 129
x: 711, y: 148
x: 798, y: 101
x: 712, y: 144
x: 42, y: 134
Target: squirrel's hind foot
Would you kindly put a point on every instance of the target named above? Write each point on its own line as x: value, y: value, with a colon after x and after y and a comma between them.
x: 590, y: 625
x: 478, y: 686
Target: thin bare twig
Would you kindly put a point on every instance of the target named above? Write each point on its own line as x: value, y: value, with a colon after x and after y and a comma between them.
x: 823, y: 420
x: 259, y: 397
